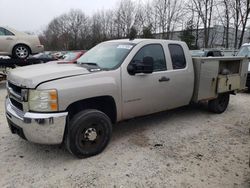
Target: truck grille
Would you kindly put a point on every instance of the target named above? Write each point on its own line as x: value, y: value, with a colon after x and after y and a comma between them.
x: 17, y: 104
x: 15, y: 88
x: 15, y: 95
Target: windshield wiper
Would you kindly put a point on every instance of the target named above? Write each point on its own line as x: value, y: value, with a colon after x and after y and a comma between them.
x: 88, y: 63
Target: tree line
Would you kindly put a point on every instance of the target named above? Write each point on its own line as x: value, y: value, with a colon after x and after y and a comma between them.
x: 75, y: 30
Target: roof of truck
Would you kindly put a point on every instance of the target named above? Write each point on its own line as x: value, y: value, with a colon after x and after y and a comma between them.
x: 246, y: 44
x: 137, y: 41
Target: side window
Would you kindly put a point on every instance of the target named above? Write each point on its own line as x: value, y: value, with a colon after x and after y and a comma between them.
x: 177, y: 56
x: 2, y: 31
x: 5, y: 32
x: 8, y: 33
x: 156, y: 52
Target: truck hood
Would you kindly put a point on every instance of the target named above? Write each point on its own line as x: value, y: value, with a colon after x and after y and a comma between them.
x: 31, y: 76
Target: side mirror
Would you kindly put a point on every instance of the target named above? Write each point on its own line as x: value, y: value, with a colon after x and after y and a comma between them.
x: 146, y: 67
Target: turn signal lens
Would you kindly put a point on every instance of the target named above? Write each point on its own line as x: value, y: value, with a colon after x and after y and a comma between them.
x: 53, y: 106
x: 53, y: 95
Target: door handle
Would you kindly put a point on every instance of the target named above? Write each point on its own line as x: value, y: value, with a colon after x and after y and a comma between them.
x: 9, y: 38
x: 164, y: 79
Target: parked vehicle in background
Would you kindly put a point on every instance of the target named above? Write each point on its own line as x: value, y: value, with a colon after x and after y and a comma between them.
x: 245, y: 51
x: 77, y: 104
x: 59, y: 55
x: 228, y: 52
x: 4, y: 57
x: 206, y: 53
x: 18, y: 44
x: 42, y: 57
x: 72, y: 57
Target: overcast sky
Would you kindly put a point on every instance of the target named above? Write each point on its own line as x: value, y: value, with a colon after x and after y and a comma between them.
x: 34, y: 15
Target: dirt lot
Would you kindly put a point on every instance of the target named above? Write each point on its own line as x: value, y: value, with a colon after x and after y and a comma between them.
x: 187, y: 147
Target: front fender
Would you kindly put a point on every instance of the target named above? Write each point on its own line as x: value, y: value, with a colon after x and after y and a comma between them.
x: 70, y: 90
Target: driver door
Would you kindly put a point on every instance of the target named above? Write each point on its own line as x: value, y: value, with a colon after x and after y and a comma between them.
x: 144, y: 94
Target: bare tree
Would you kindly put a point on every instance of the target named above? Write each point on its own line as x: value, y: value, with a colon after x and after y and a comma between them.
x: 77, y: 21
x: 244, y: 11
x: 169, y: 12
x: 75, y: 30
x: 125, y: 17
x: 227, y: 20
x: 224, y: 15
x: 65, y: 31
x: 146, y: 18
x: 204, y: 8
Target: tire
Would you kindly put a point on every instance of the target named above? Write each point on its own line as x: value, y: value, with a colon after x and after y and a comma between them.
x: 88, y: 133
x: 220, y: 104
x: 21, y: 51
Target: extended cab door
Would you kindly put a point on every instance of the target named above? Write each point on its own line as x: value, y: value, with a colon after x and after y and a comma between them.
x: 7, y: 40
x: 165, y: 88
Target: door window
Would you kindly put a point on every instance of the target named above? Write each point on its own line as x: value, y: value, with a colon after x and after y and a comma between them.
x: 2, y: 31
x: 5, y: 32
x: 177, y: 56
x: 156, y: 52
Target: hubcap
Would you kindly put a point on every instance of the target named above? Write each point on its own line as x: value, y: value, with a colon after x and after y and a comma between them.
x: 22, y: 52
x: 90, y: 134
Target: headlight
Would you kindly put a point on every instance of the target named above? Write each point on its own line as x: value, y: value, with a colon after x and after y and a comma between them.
x: 43, y: 100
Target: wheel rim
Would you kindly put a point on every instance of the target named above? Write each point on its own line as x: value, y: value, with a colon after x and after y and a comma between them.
x: 90, y: 134
x: 22, y: 52
x: 91, y: 137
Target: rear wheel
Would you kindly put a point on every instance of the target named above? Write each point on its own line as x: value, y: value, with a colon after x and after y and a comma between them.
x: 21, y: 51
x: 88, y: 134
x: 220, y: 104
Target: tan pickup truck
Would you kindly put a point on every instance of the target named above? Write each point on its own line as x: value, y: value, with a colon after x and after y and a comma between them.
x: 77, y: 104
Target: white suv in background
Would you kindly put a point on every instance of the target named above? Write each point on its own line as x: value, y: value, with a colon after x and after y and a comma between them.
x: 18, y: 44
x: 245, y: 51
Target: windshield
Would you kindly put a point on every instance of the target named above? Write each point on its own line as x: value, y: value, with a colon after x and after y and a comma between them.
x: 107, y: 55
x: 244, y: 51
x: 70, y: 56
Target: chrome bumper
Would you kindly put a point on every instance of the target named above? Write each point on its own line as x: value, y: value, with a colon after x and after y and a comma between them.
x: 41, y: 128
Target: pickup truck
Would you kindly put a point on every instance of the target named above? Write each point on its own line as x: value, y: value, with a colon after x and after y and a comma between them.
x: 77, y: 104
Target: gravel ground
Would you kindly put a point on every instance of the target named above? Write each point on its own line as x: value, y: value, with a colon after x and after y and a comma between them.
x: 187, y: 147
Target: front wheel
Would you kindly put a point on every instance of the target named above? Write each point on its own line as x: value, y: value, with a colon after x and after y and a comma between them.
x: 88, y: 134
x: 21, y: 52
x: 220, y: 104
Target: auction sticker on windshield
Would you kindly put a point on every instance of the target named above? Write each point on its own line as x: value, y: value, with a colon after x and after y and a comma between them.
x: 128, y: 47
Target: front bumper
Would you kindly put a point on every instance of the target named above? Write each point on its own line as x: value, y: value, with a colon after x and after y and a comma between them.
x: 41, y: 128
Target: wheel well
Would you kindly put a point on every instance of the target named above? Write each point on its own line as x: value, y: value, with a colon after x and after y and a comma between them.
x: 23, y: 45
x: 105, y: 104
